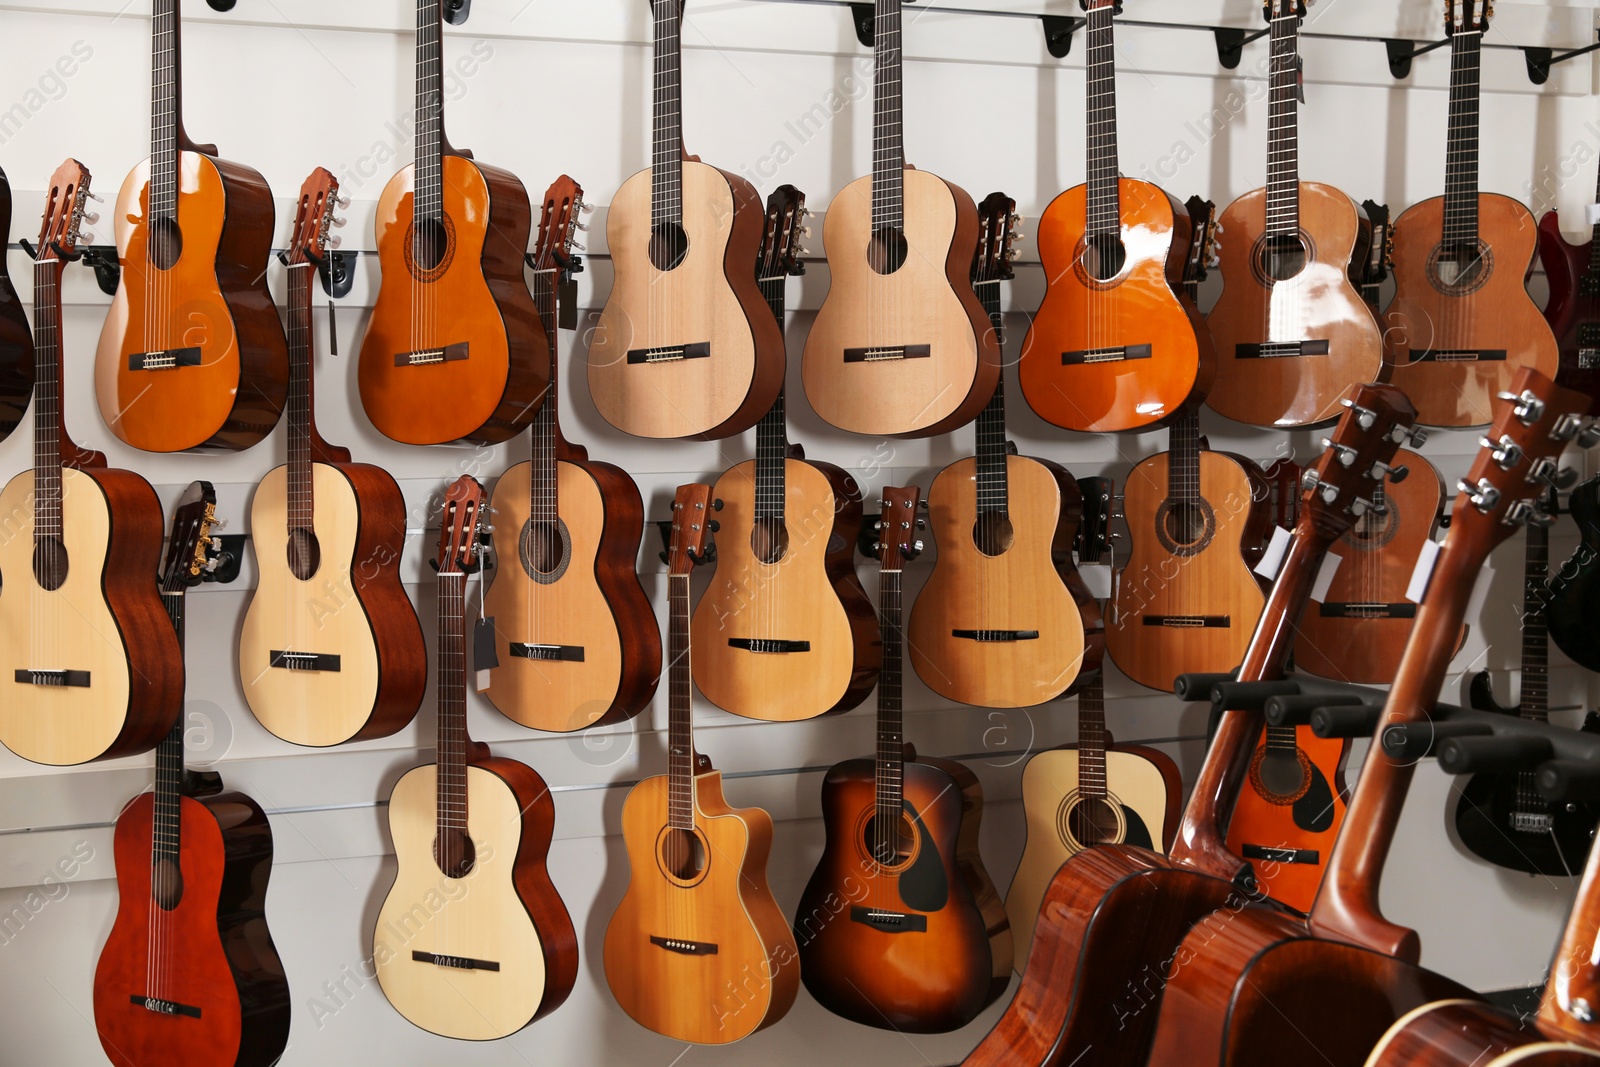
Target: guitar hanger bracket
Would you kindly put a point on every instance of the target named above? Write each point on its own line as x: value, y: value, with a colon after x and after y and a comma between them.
x: 1401, y: 53
x: 457, y: 11
x: 107, y: 270
x: 1231, y: 42
x: 863, y: 16
x: 1540, y: 60
x: 222, y: 5
x: 1058, y: 33
x: 337, y: 273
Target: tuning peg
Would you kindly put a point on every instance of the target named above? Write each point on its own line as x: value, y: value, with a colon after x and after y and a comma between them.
x: 86, y: 238
x: 1589, y: 435
x: 1310, y: 479
x: 1415, y: 435
x: 1544, y: 470
x: 1483, y: 496
x: 96, y: 199
x: 578, y: 224
x: 1529, y: 408
x: 716, y: 505
x: 916, y: 546
x: 219, y: 524
x: 335, y: 241
x: 922, y: 524
x: 877, y: 524
x: 1346, y: 454
x: 338, y: 221
x: 922, y: 505
x: 1521, y: 513
x: 1506, y: 453
x: 1359, y: 507
x: 580, y: 246
x: 805, y: 231
x: 91, y: 217
x: 1381, y: 470
x: 1015, y: 218
x: 1019, y: 235
x: 1366, y: 418
x: 1328, y: 492
x: 713, y: 525
x: 341, y: 202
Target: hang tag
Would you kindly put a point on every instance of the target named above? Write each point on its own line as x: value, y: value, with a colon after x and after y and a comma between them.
x: 333, y: 330
x: 1097, y: 576
x: 1593, y: 213
x: 1329, y: 568
x: 484, y: 657
x: 567, y: 304
x: 1300, y: 78
x: 1422, y: 573
x: 1272, y: 559
x: 1480, y: 592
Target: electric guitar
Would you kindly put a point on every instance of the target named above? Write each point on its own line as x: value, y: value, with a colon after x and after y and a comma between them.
x: 317, y: 670
x: 1291, y: 330
x: 189, y: 973
x: 16, y: 341
x: 453, y: 317
x: 697, y: 950
x: 1094, y: 792
x: 575, y: 635
x: 1575, y: 587
x: 89, y: 667
x: 499, y: 950
x: 1117, y: 343
x: 1462, y: 324
x: 784, y: 630
x: 1573, y: 274
x: 900, y: 926
x: 192, y: 355
x: 685, y: 346
x: 996, y: 625
x: 901, y: 345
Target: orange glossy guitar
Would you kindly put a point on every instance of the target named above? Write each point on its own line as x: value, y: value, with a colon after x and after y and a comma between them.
x: 1291, y: 329
x: 1117, y: 344
x: 192, y: 355
x: 1462, y: 324
x: 453, y: 316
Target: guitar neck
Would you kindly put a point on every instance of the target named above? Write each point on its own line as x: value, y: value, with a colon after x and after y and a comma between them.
x: 298, y: 414
x: 772, y: 432
x: 1092, y: 737
x: 451, y: 682
x: 1104, y: 193
x: 166, y: 818
x: 680, y: 707
x: 48, y: 429
x: 1283, y: 138
x: 1574, y: 982
x: 546, y: 437
x: 889, y: 767
x: 1461, y: 158
x: 888, y: 145
x: 427, y: 205
x: 990, y: 425
x: 166, y: 117
x: 666, y: 158
x: 1183, y: 462
x: 1534, y: 697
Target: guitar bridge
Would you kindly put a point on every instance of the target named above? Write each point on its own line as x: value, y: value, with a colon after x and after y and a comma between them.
x: 1281, y: 855
x: 892, y: 922
x: 54, y: 679
x: 458, y: 963
x: 683, y: 947
x: 425, y: 356
x: 1375, y: 610
x: 670, y: 353
x: 1281, y: 349
x: 164, y: 1007
x: 1528, y: 822
x: 886, y: 353
x: 1105, y: 355
x: 769, y: 645
x: 1190, y: 622
x: 169, y: 359
x: 994, y: 637
x: 548, y: 653
x: 1459, y: 355
x: 302, y: 661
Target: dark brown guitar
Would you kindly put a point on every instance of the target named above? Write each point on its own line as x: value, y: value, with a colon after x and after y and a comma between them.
x: 16, y: 341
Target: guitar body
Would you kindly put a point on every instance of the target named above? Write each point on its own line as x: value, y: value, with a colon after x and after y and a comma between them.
x: 1492, y: 313
x: 475, y: 297
x: 931, y: 979
x: 504, y: 911
x: 709, y: 299
x: 1470, y: 1033
x: 704, y: 997
x: 351, y: 606
x: 1575, y: 587
x: 1191, y: 606
x: 1144, y: 305
x: 212, y: 298
x: 1318, y: 304
x: 217, y: 962
x: 16, y: 339
x: 1144, y: 790
x: 106, y: 618
x: 1291, y: 812
x: 928, y: 302
x: 1572, y: 312
x: 811, y: 593
x: 1021, y: 589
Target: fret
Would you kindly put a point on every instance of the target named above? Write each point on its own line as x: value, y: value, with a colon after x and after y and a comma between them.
x: 298, y: 513
x: 451, y: 660
x: 1283, y: 136
x: 427, y: 205
x: 993, y: 487
x: 544, y: 497
x: 772, y: 450
x: 1092, y: 738
x: 1104, y: 193
x: 167, y: 816
x: 1461, y: 156
x: 680, y: 707
x: 47, y: 423
x: 666, y: 157
x: 1183, y: 461
x: 889, y: 767
x: 164, y: 109
x: 888, y: 147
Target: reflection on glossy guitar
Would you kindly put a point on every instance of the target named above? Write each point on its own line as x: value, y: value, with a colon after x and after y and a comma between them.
x: 16, y: 341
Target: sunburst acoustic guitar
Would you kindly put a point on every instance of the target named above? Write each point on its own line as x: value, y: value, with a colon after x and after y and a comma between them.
x: 16, y: 340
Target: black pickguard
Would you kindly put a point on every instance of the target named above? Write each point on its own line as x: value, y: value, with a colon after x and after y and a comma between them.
x: 1137, y: 833
x: 1313, y: 812
x: 923, y: 886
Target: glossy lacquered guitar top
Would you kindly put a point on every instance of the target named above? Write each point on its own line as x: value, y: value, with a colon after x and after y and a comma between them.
x: 16, y: 340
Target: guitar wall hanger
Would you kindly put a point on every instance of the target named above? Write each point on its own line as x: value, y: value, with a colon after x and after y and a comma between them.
x: 103, y: 258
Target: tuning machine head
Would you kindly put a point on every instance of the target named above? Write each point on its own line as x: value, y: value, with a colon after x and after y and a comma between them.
x: 1395, y: 474
x: 1347, y: 454
x: 1529, y: 408
x: 1483, y: 496
x: 1366, y: 418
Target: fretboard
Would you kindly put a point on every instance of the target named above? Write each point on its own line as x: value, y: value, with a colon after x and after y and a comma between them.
x: 1092, y: 737
x: 1104, y: 203
x: 300, y: 398
x: 889, y: 767
x: 1594, y: 236
x: 1461, y: 157
x: 1183, y: 461
x: 888, y: 145
x: 428, y: 200
x: 666, y: 157
x: 47, y: 398
x: 680, y: 707
x: 544, y: 498
x: 1283, y: 136
x: 990, y: 426
x: 1534, y: 698
x: 167, y: 818
x: 451, y: 659
x: 164, y: 109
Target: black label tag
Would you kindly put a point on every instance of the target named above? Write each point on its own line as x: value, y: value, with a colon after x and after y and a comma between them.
x: 483, y: 653
x: 567, y: 304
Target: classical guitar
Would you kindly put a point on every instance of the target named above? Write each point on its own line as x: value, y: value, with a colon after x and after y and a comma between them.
x: 575, y: 635
x: 89, y: 667
x: 996, y: 624
x: 453, y: 317
x: 192, y: 355
x: 784, y: 630
x: 900, y: 926
x: 1501, y: 818
x: 1094, y: 792
x: 1257, y: 984
x: 316, y: 669
x: 697, y: 950
x: 189, y: 973
x: 1114, y: 915
x: 685, y: 346
x: 1291, y: 330
x: 496, y: 949
x: 1117, y: 343
x: 901, y: 345
x: 16, y: 341
x: 1575, y: 587
x: 1573, y: 274
x: 1462, y: 324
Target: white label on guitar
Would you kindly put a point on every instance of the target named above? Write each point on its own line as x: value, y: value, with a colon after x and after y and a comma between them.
x: 1593, y: 212
x: 1272, y: 559
x: 1480, y: 592
x: 1423, y: 572
x: 1330, y: 567
x: 1097, y: 576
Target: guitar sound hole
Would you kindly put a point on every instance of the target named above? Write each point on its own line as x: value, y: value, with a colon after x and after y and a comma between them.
x: 1185, y: 523
x: 993, y: 533
x: 1093, y: 821
x: 1283, y: 257
x: 166, y: 883
x: 49, y: 562
x: 305, y: 554
x: 546, y: 547
x: 769, y: 540
x: 1281, y: 773
x: 890, y: 846
x: 668, y: 245
x: 1460, y: 266
x: 429, y: 244
x: 454, y: 852
x: 166, y: 243
x: 1104, y: 256
x: 887, y: 251
x: 683, y: 854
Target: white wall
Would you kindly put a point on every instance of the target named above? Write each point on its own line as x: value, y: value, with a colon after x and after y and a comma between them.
x: 552, y: 87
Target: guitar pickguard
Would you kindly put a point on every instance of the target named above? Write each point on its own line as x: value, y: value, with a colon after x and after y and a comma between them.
x: 923, y: 886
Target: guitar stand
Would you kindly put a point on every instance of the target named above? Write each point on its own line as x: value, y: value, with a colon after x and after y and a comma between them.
x: 1346, y: 710
x: 1565, y: 762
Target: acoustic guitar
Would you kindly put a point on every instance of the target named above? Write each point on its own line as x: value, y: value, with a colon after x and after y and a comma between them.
x: 784, y: 630
x: 574, y: 633
x: 321, y: 669
x: 1117, y: 343
x: 453, y: 317
x: 1573, y: 312
x: 192, y: 355
x: 900, y: 926
x: 697, y: 950
x: 1093, y: 792
x: 1462, y: 324
x: 1575, y: 587
x: 1114, y: 916
x: 685, y: 346
x: 1257, y: 984
x: 1291, y: 329
x: 472, y: 941
x: 901, y: 345
x: 189, y: 973
x: 89, y: 667
x: 997, y: 625
x: 16, y: 340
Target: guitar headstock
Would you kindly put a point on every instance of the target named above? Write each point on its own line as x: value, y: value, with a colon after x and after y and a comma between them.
x: 461, y: 528
x: 1380, y: 260
x: 192, y: 553
x: 314, y: 218
x: 897, y: 540
x: 1467, y: 16
x: 997, y: 238
x: 558, y: 228
x: 1282, y: 9
x: 1357, y: 457
x: 781, y: 234
x: 1093, y: 542
x: 62, y: 225
x: 1095, y: 5
x: 1203, y: 251
x: 692, y: 527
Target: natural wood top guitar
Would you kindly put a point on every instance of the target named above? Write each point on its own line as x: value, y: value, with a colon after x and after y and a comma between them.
x: 16, y: 340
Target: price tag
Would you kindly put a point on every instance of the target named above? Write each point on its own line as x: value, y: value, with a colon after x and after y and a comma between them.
x: 1097, y: 576
x: 1272, y: 559
x: 1422, y: 573
x: 1330, y: 567
x: 1593, y: 213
